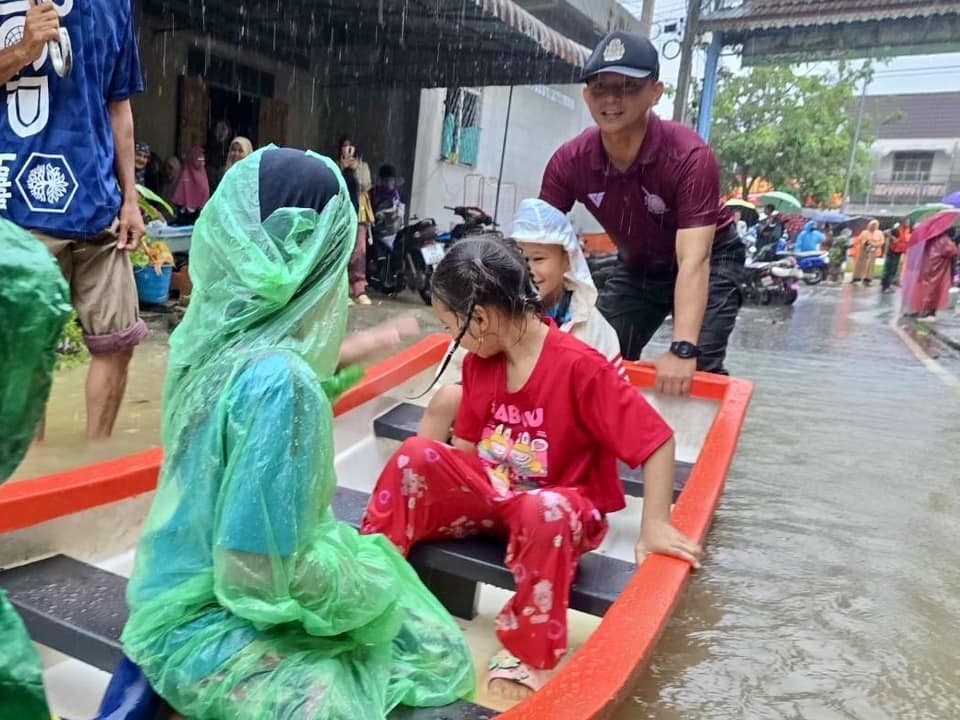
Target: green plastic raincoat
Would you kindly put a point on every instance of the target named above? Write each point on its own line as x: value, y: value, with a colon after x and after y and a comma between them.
x: 34, y: 306
x: 248, y: 599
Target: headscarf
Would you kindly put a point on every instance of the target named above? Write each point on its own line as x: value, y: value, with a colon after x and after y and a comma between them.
x: 872, y: 236
x: 268, y: 262
x: 537, y: 221
x: 193, y: 187
x: 247, y: 150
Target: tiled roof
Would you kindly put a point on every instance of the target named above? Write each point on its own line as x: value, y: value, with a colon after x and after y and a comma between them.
x: 771, y: 14
x: 919, y: 116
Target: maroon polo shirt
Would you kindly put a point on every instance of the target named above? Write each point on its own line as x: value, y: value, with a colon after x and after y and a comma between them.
x: 673, y: 184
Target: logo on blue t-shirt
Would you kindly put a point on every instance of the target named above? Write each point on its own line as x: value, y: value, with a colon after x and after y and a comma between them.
x: 47, y: 183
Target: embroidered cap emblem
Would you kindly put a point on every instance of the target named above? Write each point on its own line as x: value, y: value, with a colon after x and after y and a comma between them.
x: 614, y: 51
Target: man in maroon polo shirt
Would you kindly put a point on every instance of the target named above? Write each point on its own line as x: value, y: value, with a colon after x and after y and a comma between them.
x: 654, y: 186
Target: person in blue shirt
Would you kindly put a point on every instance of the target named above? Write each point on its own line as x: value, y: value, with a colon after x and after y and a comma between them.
x: 67, y: 172
x: 810, y: 239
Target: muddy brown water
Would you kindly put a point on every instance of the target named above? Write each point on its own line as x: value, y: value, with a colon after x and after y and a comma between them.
x: 830, y: 585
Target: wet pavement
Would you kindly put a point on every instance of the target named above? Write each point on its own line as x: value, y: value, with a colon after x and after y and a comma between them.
x: 830, y: 584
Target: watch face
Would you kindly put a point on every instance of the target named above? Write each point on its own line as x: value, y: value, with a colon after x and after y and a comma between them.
x: 685, y: 350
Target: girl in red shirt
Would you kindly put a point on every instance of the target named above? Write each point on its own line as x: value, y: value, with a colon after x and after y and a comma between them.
x: 543, y: 420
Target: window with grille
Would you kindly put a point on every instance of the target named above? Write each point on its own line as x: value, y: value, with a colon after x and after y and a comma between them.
x: 460, y: 142
x: 912, y: 166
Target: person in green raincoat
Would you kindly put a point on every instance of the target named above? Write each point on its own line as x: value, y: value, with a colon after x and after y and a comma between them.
x: 34, y: 307
x: 248, y: 598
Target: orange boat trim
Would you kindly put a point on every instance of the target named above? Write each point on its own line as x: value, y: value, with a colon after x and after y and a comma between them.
x: 589, y: 686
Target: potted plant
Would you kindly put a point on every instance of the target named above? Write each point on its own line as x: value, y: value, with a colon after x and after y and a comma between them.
x: 152, y: 270
x: 152, y: 260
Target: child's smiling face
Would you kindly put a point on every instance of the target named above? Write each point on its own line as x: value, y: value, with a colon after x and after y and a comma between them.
x: 548, y: 264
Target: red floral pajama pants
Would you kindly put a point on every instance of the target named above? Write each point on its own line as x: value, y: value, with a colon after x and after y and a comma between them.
x: 430, y: 491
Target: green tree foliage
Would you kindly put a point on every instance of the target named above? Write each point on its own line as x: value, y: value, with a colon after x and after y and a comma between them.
x: 794, y: 130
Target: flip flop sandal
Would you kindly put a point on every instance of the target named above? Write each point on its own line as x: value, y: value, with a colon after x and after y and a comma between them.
x: 504, y: 666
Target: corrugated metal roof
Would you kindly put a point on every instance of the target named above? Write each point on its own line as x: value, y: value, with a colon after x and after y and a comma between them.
x: 919, y: 116
x: 549, y: 39
x: 771, y: 14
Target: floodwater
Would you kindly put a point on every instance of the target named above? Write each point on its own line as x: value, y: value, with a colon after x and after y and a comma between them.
x: 830, y: 584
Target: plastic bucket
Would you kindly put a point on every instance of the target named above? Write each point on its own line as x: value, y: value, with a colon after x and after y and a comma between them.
x: 153, y: 287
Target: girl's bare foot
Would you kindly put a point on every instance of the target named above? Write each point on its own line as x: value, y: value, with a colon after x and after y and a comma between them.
x: 511, y: 679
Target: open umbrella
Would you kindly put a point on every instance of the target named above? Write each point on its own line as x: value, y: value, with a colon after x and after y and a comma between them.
x: 952, y: 199
x: 832, y: 217
x: 924, y: 211
x: 935, y: 226
x: 748, y: 211
x: 784, y: 202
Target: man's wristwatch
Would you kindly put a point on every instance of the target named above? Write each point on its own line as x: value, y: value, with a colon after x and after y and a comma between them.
x: 685, y: 350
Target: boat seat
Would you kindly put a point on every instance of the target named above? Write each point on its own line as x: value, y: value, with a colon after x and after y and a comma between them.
x: 79, y: 610
x: 402, y: 422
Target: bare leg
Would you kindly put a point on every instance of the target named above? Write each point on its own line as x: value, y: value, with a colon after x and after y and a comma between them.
x: 441, y: 414
x: 106, y: 382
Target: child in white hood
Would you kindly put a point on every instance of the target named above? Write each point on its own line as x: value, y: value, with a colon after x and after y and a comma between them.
x: 562, y: 277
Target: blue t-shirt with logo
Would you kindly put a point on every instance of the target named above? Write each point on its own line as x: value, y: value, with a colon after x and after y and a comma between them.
x: 56, y: 142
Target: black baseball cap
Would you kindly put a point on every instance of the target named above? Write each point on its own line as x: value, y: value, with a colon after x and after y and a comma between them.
x: 624, y: 53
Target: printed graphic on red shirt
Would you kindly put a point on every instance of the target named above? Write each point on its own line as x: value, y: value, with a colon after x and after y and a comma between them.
x: 514, y: 451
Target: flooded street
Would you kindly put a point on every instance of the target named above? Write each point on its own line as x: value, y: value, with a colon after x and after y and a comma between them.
x: 830, y: 583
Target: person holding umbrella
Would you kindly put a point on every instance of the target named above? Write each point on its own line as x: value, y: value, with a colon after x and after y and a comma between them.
x: 928, y: 274
x: 654, y: 186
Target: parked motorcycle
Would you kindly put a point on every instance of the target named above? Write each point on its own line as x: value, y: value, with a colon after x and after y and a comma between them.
x: 771, y: 282
x: 814, y: 264
x: 474, y: 222
x: 422, y: 252
x: 385, y: 256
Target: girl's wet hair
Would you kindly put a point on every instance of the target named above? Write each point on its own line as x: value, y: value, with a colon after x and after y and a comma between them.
x: 483, y: 272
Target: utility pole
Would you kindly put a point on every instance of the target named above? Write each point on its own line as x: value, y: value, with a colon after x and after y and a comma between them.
x: 646, y: 16
x: 690, y: 31
x: 856, y: 137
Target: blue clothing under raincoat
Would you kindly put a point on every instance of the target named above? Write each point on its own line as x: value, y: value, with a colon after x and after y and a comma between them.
x: 809, y: 239
x: 248, y: 599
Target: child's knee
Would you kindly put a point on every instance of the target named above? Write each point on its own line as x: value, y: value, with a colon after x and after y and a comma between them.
x: 415, y: 453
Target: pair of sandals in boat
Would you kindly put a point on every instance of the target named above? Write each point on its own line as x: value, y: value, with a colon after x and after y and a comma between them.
x: 505, y: 666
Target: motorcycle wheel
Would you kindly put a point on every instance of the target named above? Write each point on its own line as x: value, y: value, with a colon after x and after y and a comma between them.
x: 418, y: 278
x: 790, y: 296
x: 815, y: 277
x: 765, y: 297
x: 424, y: 291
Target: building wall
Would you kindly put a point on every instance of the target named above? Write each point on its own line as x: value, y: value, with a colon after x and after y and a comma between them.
x: 163, y: 56
x: 541, y: 119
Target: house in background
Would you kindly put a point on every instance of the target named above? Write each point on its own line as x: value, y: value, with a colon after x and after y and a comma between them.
x: 916, y: 151
x: 465, y: 134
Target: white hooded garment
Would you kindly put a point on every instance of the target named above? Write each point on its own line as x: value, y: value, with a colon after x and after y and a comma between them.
x: 537, y: 221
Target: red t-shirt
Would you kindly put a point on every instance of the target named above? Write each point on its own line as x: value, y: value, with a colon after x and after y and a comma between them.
x: 566, y: 427
x: 673, y: 184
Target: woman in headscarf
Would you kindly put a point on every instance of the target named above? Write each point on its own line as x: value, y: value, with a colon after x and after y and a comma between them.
x: 869, y: 244
x: 193, y: 187
x: 248, y: 599
x: 240, y: 148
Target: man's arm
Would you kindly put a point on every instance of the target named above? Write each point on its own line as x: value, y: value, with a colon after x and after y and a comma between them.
x: 557, y: 186
x: 131, y: 228
x: 41, y: 25
x: 674, y: 374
